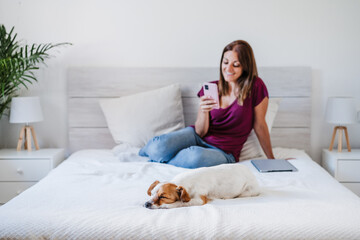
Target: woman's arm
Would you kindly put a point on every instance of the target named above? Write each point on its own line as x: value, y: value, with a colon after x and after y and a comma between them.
x: 261, y: 128
x: 203, y: 119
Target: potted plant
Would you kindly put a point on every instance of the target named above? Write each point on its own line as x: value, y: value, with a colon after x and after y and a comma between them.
x: 17, y: 65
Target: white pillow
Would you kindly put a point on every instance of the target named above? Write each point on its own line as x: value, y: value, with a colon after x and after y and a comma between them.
x: 137, y: 118
x: 252, y: 148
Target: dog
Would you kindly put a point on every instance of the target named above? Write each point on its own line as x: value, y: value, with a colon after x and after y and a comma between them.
x: 199, y: 186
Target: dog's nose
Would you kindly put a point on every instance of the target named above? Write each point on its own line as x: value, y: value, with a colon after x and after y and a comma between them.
x: 147, y: 205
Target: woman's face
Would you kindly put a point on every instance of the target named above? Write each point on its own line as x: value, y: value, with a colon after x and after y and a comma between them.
x: 231, y: 67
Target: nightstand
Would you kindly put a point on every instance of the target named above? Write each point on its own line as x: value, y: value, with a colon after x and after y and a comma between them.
x: 344, y: 167
x: 20, y: 170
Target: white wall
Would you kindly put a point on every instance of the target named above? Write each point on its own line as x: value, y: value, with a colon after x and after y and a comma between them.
x: 323, y: 34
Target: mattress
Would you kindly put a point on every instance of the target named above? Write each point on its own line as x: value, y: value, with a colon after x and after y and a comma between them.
x: 99, y: 194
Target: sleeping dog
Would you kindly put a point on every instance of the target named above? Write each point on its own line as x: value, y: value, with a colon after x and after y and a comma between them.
x: 198, y: 186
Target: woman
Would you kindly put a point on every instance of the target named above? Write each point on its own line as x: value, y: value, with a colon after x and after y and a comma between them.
x: 219, y: 134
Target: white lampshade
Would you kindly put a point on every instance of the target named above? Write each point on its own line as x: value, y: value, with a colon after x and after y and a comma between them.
x: 25, y: 110
x: 341, y: 110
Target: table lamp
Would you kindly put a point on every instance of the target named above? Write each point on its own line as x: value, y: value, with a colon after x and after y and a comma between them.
x: 26, y: 110
x: 340, y: 111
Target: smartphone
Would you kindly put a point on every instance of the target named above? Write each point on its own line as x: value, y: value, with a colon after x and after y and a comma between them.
x: 211, y: 89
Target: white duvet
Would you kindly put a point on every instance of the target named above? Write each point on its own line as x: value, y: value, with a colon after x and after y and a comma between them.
x: 98, y: 194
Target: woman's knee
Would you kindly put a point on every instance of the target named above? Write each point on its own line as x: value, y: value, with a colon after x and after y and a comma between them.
x: 170, y: 141
x: 155, y: 146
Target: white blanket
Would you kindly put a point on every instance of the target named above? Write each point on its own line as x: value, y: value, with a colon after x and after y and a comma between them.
x: 99, y: 194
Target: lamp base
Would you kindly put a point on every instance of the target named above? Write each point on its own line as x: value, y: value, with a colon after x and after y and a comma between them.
x: 340, y: 129
x: 27, y: 131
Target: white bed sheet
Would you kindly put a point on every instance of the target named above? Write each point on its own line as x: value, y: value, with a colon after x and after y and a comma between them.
x: 99, y: 194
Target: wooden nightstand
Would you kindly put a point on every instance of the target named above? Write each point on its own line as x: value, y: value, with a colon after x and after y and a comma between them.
x: 20, y: 170
x: 344, y: 167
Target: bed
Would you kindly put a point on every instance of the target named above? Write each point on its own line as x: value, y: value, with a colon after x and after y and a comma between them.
x: 99, y: 191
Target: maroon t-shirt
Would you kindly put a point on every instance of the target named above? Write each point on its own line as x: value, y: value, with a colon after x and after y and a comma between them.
x: 230, y: 127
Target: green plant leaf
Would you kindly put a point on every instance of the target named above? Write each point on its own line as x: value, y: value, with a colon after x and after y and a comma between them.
x: 17, y: 64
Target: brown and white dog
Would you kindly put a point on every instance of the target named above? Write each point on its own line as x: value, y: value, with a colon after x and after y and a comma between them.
x: 198, y: 186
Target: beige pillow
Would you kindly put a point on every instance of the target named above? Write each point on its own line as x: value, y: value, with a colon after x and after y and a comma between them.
x: 137, y: 118
x: 252, y: 148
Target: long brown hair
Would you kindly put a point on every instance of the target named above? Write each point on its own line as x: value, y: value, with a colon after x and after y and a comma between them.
x: 247, y: 61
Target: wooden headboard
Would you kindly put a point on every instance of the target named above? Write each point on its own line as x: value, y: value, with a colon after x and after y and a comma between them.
x: 86, y: 85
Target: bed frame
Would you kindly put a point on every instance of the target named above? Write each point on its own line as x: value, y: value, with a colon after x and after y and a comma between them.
x: 86, y: 85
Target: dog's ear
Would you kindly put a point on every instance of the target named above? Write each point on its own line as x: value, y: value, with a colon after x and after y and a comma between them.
x: 184, y: 196
x: 152, y: 187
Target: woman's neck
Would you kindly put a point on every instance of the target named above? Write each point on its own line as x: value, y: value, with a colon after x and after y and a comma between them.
x: 232, y: 89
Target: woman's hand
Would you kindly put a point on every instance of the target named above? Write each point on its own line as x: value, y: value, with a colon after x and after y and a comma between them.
x: 207, y: 104
x: 202, y: 121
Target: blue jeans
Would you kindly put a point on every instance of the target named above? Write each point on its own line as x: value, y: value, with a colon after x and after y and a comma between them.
x: 184, y: 148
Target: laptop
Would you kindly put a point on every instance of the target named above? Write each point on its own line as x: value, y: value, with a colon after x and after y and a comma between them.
x: 273, y: 165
